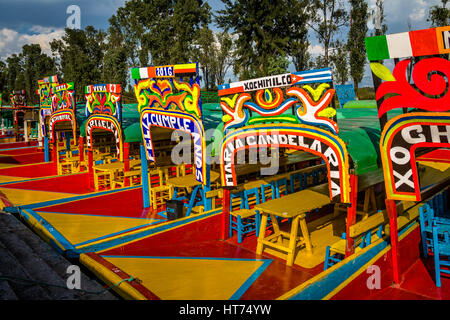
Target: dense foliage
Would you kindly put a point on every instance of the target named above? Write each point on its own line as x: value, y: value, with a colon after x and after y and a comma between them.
x: 249, y: 38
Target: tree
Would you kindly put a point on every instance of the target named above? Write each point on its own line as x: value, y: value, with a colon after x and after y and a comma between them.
x: 339, y: 61
x: 299, y: 45
x: 160, y: 32
x: 14, y: 72
x: 264, y: 29
x: 355, y: 41
x: 3, y: 78
x: 80, y: 55
x: 327, y: 18
x: 378, y: 19
x: 205, y: 53
x: 224, y: 56
x: 36, y: 65
x: 439, y: 16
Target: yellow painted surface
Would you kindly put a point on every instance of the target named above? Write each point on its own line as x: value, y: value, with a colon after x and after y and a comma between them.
x: 7, y: 165
x: 442, y: 166
x: 294, y: 204
x: 188, y: 279
x: 20, y: 197
x: 111, y: 279
x: 10, y: 178
x: 78, y: 228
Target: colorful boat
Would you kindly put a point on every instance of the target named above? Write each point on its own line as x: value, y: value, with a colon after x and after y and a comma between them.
x: 360, y: 184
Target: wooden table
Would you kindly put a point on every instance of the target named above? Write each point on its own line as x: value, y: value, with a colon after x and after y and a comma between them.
x: 293, y: 206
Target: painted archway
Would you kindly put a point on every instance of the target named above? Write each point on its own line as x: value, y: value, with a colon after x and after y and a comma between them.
x: 302, y: 137
x: 108, y: 123
x: 400, y: 139
x: 59, y: 117
x: 176, y: 121
x: 63, y: 108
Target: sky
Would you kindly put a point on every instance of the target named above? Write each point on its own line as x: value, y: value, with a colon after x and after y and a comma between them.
x: 40, y: 21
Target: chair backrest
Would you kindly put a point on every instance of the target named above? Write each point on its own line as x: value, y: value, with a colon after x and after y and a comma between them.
x: 251, y: 198
x: 99, y: 162
x: 237, y: 201
x: 443, y: 239
x: 426, y: 215
x: 267, y: 192
x: 439, y: 204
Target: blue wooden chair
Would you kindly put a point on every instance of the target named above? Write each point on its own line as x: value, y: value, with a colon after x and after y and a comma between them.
x: 336, y: 252
x: 439, y: 205
x: 270, y: 194
x: 426, y: 215
x: 281, y: 185
x: 246, y: 219
x: 441, y: 245
x: 301, y: 181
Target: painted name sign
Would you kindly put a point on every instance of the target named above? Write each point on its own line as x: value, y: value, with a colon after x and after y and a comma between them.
x: 328, y: 147
x: 404, y: 134
x: 102, y: 124
x: 281, y: 80
x: 60, y: 116
x: 177, y: 122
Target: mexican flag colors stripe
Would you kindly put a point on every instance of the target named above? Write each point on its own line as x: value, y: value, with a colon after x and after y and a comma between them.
x: 409, y: 44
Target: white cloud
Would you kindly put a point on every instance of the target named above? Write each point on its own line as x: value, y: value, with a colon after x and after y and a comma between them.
x: 316, y: 49
x: 418, y: 13
x: 12, y: 41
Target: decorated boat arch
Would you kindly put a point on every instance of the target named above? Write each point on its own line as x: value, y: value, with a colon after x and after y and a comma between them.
x: 285, y: 111
x: 18, y: 102
x: 62, y: 118
x: 165, y: 100
x: 45, y: 102
x: 103, y: 113
x: 169, y: 101
x: 420, y: 135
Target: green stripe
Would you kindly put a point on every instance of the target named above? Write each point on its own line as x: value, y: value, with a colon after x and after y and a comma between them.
x: 377, y: 48
x: 135, y: 74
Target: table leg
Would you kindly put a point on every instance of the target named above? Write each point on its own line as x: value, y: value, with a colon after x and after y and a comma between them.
x: 306, y: 237
x: 95, y: 180
x: 276, y: 228
x: 292, y: 242
x: 262, y: 233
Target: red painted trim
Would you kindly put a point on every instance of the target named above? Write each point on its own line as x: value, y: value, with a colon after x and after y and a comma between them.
x: 392, y: 213
x: 225, y: 213
x: 351, y: 214
x: 126, y: 162
x: 81, y: 150
x: 91, y: 169
x: 119, y: 272
x: 439, y: 155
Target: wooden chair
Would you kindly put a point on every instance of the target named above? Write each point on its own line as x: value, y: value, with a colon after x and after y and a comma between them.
x: 246, y: 220
x: 441, y: 245
x: 159, y: 192
x: 134, y: 177
x: 361, y: 232
x: 426, y: 216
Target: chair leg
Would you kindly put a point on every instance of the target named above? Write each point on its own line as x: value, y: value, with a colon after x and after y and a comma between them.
x: 257, y: 223
x: 239, y: 228
x: 437, y: 266
x: 327, y: 257
x: 230, y: 232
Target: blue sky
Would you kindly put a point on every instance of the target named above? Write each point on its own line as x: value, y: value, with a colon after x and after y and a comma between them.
x: 40, y: 21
